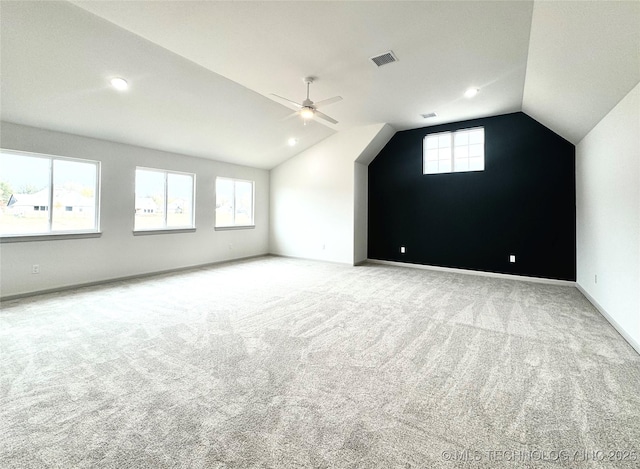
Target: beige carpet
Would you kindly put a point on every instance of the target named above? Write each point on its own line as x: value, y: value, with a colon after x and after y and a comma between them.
x: 282, y: 363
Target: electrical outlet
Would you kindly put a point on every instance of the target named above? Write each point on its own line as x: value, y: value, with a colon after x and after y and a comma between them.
x: 35, y: 269
x: 402, y: 250
x: 595, y: 278
x: 512, y: 258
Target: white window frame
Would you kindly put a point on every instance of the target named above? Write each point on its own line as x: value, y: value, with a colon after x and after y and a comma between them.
x: 48, y: 208
x: 165, y: 228
x: 452, y: 146
x: 253, y: 204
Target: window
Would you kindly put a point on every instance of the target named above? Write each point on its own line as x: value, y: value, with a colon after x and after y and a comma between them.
x: 454, y: 152
x: 234, y: 202
x: 164, y: 200
x: 31, y: 184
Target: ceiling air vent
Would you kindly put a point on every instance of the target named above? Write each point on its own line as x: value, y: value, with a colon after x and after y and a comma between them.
x: 384, y: 59
x: 429, y: 116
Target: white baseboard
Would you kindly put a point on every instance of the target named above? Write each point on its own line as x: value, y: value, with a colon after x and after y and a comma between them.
x: 609, y: 318
x: 62, y: 288
x: 549, y: 281
x: 285, y: 256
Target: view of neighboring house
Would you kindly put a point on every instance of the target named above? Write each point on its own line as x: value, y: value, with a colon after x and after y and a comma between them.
x: 146, y: 205
x: 37, y: 204
x: 29, y: 205
x: 176, y: 206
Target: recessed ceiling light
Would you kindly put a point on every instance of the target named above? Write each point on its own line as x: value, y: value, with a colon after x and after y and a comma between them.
x: 119, y: 83
x: 292, y: 141
x: 471, y: 92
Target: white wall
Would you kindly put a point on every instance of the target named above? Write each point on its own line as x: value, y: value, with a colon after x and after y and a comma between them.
x: 361, y: 191
x: 608, y: 215
x: 360, y: 212
x: 118, y: 253
x: 313, y: 197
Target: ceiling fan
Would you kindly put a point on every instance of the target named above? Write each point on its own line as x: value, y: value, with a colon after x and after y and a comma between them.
x: 308, y: 109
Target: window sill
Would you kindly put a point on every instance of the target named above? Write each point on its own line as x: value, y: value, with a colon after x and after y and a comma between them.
x: 21, y: 238
x: 163, y: 231
x: 231, y: 228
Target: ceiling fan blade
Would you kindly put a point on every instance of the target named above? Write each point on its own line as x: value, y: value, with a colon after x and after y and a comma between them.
x: 287, y: 100
x: 286, y: 118
x: 326, y: 102
x: 325, y: 117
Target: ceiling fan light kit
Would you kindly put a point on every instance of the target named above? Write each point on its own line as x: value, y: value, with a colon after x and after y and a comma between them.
x: 306, y: 112
x: 308, y: 109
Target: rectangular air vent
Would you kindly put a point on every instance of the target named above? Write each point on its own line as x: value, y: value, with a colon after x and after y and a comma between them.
x: 429, y: 116
x: 384, y: 59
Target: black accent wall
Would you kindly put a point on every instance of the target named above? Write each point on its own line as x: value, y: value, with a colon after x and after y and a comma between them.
x: 523, y: 203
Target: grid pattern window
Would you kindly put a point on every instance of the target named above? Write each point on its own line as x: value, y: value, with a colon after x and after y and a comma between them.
x: 454, y: 152
x: 164, y: 200
x: 43, y: 194
x: 234, y: 202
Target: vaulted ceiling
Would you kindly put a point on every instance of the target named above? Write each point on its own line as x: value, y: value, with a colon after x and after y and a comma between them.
x: 201, y: 73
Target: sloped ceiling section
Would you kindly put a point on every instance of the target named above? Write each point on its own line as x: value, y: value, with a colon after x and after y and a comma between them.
x: 57, y: 60
x: 584, y: 57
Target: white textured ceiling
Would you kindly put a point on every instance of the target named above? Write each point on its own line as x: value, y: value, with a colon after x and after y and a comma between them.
x: 201, y: 73
x: 56, y: 63
x: 584, y: 57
